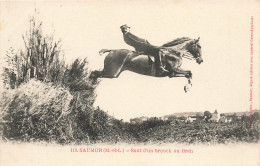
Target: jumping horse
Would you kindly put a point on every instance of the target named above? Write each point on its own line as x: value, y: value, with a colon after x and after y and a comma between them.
x: 172, y: 53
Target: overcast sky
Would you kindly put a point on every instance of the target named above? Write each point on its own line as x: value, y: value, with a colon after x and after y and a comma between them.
x: 221, y: 82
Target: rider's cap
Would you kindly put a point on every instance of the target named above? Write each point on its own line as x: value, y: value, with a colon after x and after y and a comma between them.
x: 124, y: 27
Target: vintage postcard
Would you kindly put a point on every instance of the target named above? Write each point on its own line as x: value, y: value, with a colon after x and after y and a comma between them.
x: 129, y: 83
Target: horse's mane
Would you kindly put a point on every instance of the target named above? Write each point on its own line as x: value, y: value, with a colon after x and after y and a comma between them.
x: 176, y: 42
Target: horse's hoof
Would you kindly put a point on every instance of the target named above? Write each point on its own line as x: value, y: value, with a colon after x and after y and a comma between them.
x: 187, y: 87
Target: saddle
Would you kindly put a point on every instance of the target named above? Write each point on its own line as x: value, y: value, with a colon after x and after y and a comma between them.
x: 151, y: 61
x: 151, y: 58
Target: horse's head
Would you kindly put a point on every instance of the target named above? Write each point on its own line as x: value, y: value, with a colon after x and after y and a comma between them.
x: 195, y: 49
x: 190, y: 45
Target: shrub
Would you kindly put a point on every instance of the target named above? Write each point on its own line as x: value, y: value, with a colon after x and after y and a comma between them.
x: 41, y: 58
x: 35, y: 109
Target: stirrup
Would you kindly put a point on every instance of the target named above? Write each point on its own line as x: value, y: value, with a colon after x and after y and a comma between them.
x: 160, y: 68
x: 162, y: 71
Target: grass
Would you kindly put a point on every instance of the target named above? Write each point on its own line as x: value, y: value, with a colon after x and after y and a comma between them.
x: 38, y: 111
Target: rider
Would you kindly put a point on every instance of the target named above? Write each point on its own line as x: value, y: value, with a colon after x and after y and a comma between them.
x: 142, y: 45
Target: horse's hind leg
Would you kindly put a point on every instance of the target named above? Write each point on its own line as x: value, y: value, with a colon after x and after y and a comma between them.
x: 102, y: 74
x: 96, y: 74
x: 114, y: 66
x: 112, y: 73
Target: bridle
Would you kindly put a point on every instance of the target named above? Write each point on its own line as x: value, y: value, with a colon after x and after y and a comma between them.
x: 183, y: 53
x: 188, y: 55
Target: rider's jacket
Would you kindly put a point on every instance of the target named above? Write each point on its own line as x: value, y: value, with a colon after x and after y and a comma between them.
x: 140, y: 45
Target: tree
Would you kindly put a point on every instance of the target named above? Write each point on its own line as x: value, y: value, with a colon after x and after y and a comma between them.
x: 256, y: 116
x: 207, y: 115
x: 172, y: 118
x: 199, y: 116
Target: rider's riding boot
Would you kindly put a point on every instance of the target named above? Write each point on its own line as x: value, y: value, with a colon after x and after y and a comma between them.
x: 160, y: 69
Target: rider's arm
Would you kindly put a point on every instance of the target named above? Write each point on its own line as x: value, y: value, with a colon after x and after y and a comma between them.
x: 137, y: 39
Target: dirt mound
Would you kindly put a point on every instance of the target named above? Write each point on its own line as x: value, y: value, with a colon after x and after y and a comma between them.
x: 35, y: 110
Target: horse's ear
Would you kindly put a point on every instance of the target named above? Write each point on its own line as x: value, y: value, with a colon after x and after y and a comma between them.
x: 197, y: 40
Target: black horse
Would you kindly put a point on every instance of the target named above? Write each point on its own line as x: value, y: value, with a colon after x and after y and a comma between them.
x: 172, y: 52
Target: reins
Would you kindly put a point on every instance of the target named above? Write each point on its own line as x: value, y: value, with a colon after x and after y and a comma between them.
x: 184, y: 54
x: 189, y: 56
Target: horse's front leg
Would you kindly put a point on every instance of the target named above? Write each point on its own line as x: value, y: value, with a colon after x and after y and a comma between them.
x: 183, y: 73
x: 178, y: 72
x: 186, y: 73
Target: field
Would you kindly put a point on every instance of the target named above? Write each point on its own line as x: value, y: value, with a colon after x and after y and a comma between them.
x: 38, y: 111
x: 207, y: 132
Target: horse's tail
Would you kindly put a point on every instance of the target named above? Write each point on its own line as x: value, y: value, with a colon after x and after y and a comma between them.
x: 102, y: 51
